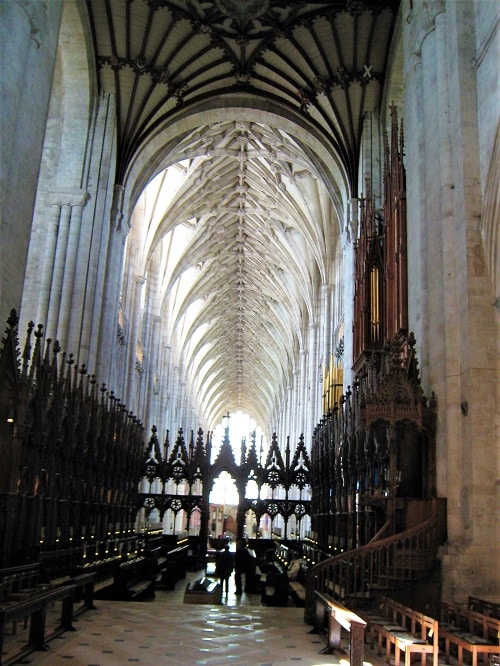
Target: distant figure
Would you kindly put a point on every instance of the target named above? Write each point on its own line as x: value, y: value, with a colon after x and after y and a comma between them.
x: 294, y: 567
x: 242, y: 562
x: 224, y: 566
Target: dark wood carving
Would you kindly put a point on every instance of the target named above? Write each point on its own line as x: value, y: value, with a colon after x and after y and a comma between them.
x: 71, y: 454
x: 381, y: 282
x: 285, y: 476
x: 395, y: 242
x: 374, y: 452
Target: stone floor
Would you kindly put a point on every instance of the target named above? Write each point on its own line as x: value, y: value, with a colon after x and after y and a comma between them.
x: 167, y: 632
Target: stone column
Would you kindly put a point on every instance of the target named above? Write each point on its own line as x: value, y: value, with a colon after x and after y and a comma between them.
x: 289, y: 407
x: 304, y: 406
x: 69, y: 271
x: 296, y: 407
x: 181, y: 402
x: 90, y: 277
x: 58, y: 270
x: 165, y: 404
x: 151, y: 416
x: 133, y: 337
x: 174, y: 403
x: 105, y: 311
x: 472, y: 393
x: 327, y: 290
x: 48, y: 265
x: 415, y: 126
x: 452, y: 312
x: 315, y: 410
x: 348, y: 237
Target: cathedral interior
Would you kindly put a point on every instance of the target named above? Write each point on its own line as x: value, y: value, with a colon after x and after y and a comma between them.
x: 254, y: 240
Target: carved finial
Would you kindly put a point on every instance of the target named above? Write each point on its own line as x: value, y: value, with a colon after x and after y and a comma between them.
x: 13, y: 319
x: 27, y: 346
x: 39, y: 331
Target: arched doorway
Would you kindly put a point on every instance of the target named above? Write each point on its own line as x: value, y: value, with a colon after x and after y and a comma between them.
x: 223, y: 508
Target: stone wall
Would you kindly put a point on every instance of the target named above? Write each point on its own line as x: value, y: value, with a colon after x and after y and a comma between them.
x: 451, y: 300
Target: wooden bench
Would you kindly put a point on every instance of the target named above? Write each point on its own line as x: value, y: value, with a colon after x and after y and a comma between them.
x: 485, y: 606
x: 57, y: 564
x: 84, y: 591
x: 329, y: 620
x: 408, y: 630
x: 18, y: 583
x: 275, y: 589
x: 34, y: 605
x: 103, y: 570
x: 159, y: 562
x: 297, y: 587
x: 468, y: 631
x: 24, y: 597
x: 134, y: 580
x: 16, y: 580
x: 173, y: 568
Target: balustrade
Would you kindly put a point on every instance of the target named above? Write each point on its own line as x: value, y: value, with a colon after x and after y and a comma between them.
x: 389, y: 561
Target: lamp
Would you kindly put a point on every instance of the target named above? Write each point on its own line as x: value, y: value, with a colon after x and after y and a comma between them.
x: 11, y: 415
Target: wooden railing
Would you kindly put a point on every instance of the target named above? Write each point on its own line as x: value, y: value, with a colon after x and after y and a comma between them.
x: 403, y: 557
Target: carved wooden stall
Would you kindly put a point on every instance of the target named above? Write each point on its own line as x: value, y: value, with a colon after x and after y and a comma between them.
x: 373, y: 452
x: 71, y: 458
x: 286, y: 476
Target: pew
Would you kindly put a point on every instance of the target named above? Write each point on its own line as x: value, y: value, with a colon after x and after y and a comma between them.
x: 133, y: 580
x: 275, y: 588
x: 57, y: 564
x: 329, y: 620
x: 485, y: 606
x: 34, y: 604
x: 408, y: 630
x: 159, y: 563
x: 470, y: 631
x: 15, y: 580
x: 173, y: 568
x: 252, y: 573
x: 296, y: 570
x: 84, y: 591
x: 103, y: 571
x: 297, y: 573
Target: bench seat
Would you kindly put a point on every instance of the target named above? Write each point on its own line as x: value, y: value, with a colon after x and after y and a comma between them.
x: 298, y: 592
x: 406, y: 630
x: 468, y: 630
x: 35, y: 607
x: 331, y: 618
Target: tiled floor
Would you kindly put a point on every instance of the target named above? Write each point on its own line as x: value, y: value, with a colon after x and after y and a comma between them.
x: 167, y: 632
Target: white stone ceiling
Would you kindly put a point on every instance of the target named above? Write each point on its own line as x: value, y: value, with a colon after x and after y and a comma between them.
x: 255, y: 213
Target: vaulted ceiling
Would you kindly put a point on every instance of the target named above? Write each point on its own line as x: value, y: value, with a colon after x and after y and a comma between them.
x: 260, y: 219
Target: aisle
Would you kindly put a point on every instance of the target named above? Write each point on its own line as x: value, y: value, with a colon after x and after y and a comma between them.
x: 167, y: 632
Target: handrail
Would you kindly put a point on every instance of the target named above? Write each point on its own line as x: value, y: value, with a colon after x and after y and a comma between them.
x: 401, y: 557
x: 383, y: 529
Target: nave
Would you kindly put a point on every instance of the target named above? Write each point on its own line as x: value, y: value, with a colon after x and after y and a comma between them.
x: 327, y: 264
x: 167, y: 632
